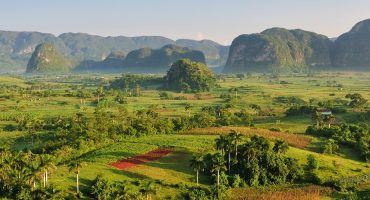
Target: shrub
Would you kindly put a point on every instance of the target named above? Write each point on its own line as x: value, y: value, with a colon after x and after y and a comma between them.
x: 312, y: 163
x: 275, y: 129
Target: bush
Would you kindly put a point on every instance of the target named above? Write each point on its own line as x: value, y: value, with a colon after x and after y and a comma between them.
x: 275, y: 129
x: 10, y: 127
x: 236, y: 181
x: 312, y: 163
x: 295, y: 111
x: 196, y: 194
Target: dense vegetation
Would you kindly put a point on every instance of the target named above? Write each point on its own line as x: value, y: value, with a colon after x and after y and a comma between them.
x: 254, y: 135
x: 188, y: 76
x: 252, y: 163
x: 354, y: 136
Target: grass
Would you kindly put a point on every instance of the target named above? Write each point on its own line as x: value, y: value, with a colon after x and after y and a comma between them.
x: 174, y: 169
x: 331, y: 167
x: 12, y: 81
x: 299, y: 141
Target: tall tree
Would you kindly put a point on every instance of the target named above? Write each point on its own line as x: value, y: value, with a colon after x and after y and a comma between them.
x: 147, y: 189
x: 46, y: 166
x: 197, y: 163
x: 228, y: 146
x: 280, y: 146
x: 329, y: 119
x: 76, y: 167
x: 99, y: 92
x: 317, y: 117
x: 221, y: 143
x: 188, y: 106
x: 218, y: 165
x: 236, y: 138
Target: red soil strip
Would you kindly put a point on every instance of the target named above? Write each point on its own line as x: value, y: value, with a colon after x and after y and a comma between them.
x: 137, y: 160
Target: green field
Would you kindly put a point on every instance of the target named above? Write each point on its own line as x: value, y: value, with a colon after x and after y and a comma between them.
x: 172, y: 173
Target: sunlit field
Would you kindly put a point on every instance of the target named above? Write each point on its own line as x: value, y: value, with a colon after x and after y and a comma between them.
x: 49, y: 97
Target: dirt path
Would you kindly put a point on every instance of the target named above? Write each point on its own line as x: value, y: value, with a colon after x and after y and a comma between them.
x: 141, y: 159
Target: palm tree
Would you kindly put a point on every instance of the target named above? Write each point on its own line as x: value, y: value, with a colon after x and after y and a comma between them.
x: 32, y: 126
x: 188, y: 106
x: 46, y: 166
x: 329, y: 119
x: 35, y: 171
x: 236, y: 137
x: 19, y: 163
x: 218, y: 164
x: 220, y: 143
x: 197, y: 163
x: 147, y: 189
x: 317, y: 117
x: 137, y: 90
x: 99, y: 92
x: 234, y: 90
x: 228, y: 146
x: 76, y: 167
x: 280, y: 146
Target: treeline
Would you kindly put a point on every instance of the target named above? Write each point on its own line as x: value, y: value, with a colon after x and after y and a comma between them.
x: 24, y: 175
x: 356, y: 136
x: 66, y: 135
x: 131, y: 81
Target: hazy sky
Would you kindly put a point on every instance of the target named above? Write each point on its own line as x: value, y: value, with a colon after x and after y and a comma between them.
x: 219, y: 20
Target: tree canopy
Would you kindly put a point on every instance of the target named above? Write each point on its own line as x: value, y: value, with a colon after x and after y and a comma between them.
x: 188, y: 76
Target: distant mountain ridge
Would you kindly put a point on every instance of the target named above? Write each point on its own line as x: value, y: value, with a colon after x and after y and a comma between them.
x: 16, y: 48
x: 279, y: 49
x: 144, y: 60
x: 273, y: 50
x: 352, y: 49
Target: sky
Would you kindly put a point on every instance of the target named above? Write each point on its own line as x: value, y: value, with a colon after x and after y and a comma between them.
x: 218, y: 20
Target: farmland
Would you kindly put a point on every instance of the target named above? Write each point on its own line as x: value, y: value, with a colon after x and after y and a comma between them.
x: 255, y: 105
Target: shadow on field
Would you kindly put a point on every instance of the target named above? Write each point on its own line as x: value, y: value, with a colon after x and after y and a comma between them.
x: 129, y: 174
x: 176, y: 161
x: 84, y: 184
